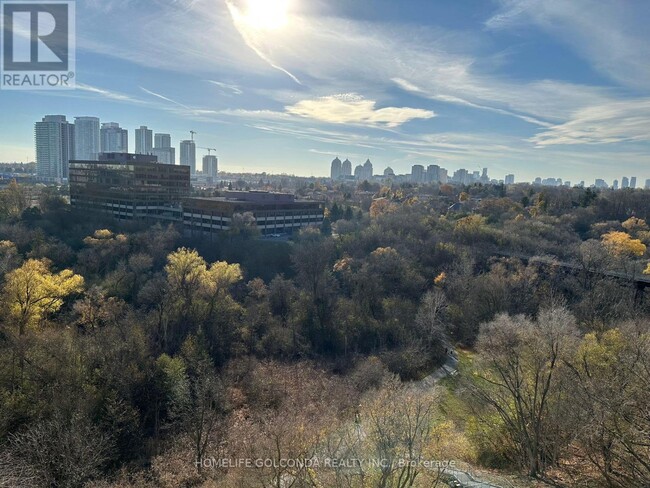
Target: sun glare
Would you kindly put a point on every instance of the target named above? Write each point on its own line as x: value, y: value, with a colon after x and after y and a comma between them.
x: 267, y: 14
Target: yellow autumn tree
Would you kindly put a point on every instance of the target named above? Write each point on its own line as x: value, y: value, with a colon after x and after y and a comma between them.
x: 196, y: 287
x: 381, y: 206
x: 634, y: 224
x: 621, y: 244
x: 33, y: 291
x: 470, y: 226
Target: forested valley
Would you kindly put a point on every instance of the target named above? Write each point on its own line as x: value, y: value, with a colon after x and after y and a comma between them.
x: 134, y: 356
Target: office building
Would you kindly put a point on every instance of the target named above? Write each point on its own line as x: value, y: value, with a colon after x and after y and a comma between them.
x: 210, y: 166
x: 143, y: 140
x: 633, y: 182
x: 273, y: 213
x: 347, y: 168
x: 625, y: 183
x: 336, y: 170
x: 615, y: 185
x: 417, y: 173
x: 55, y: 146
x: 114, y: 139
x: 510, y: 180
x: 647, y: 184
x: 86, y: 138
x: 129, y: 187
x: 188, y: 155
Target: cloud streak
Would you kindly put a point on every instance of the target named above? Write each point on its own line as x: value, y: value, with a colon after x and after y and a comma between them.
x: 354, y: 109
x: 603, y: 124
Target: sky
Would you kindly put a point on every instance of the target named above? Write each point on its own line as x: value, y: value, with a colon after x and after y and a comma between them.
x: 548, y: 88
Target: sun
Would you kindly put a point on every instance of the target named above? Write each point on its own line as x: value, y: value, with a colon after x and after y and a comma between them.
x: 266, y: 14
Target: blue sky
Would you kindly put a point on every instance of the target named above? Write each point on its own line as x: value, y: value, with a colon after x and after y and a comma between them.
x: 533, y: 87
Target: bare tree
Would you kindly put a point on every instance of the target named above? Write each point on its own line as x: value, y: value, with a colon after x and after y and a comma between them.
x: 521, y: 379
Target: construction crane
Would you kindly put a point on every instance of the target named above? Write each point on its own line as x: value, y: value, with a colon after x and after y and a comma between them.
x: 192, y: 133
x: 209, y: 149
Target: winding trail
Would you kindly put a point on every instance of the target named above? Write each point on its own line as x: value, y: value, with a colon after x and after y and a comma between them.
x: 461, y: 479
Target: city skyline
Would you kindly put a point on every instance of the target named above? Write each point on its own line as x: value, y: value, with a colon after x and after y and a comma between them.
x: 516, y: 85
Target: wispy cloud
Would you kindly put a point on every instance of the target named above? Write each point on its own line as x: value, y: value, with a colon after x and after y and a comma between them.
x: 603, y: 124
x: 610, y: 34
x: 162, y: 97
x: 227, y: 87
x: 410, y: 87
x: 110, y: 94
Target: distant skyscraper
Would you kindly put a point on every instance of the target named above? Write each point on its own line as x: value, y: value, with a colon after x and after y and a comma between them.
x: 163, y: 149
x: 358, y: 172
x: 615, y: 185
x: 54, y: 138
x: 484, y: 177
x: 600, y: 183
x: 625, y: 183
x: 443, y: 176
x: 647, y: 184
x: 162, y: 141
x: 347, y: 168
x: 433, y: 173
x: 114, y: 139
x: 461, y: 176
x: 633, y: 182
x: 86, y: 138
x: 510, y: 179
x: 417, y: 173
x: 143, y: 140
x: 188, y: 155
x: 368, y: 172
x: 210, y: 166
x: 337, y: 169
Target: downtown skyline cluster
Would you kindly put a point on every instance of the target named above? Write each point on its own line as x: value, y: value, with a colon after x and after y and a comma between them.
x: 58, y: 141
x: 342, y: 171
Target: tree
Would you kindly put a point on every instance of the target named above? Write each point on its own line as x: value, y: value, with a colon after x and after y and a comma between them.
x: 186, y: 274
x: 207, y: 398
x: 9, y: 257
x: 431, y: 319
x: 521, y: 380
x: 611, y: 385
x: 13, y: 200
x: 381, y: 206
x: 621, y: 244
x: 33, y: 291
x: 56, y: 452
